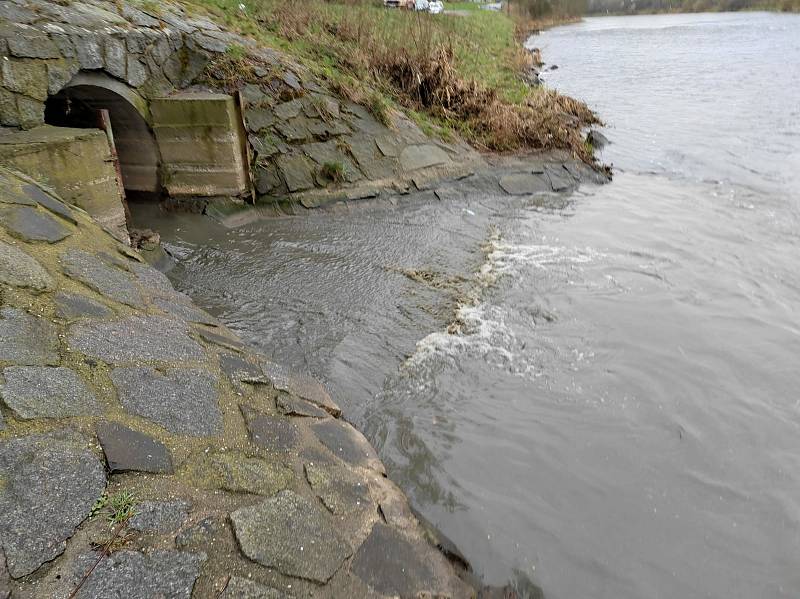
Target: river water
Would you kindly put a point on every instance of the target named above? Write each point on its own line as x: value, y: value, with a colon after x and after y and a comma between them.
x: 617, y: 414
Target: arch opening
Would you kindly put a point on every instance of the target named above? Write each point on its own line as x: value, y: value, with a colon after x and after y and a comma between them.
x: 78, y: 105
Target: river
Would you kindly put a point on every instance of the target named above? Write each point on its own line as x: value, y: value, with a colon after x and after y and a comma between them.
x: 619, y: 414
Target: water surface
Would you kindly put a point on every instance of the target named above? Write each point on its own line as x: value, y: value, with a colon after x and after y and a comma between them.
x: 619, y: 415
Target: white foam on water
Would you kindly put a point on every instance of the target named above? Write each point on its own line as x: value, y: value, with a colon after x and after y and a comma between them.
x: 483, y: 333
x: 480, y: 329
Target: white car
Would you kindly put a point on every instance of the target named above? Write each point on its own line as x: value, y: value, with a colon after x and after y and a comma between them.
x: 435, y: 7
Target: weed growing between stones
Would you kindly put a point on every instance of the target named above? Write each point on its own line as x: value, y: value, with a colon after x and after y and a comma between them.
x: 379, y: 108
x: 333, y: 172
x: 118, y: 508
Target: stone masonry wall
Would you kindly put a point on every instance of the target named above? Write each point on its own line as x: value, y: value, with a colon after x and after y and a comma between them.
x: 296, y: 126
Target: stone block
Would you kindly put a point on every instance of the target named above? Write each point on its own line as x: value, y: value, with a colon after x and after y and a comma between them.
x: 115, y: 56
x: 296, y: 172
x: 127, y: 450
x: 183, y: 401
x: 75, y: 163
x: 46, y: 392
x: 135, y: 575
x: 27, y: 340
x: 524, y: 184
x: 135, y: 339
x: 32, y: 44
x: 25, y: 76
x: 29, y: 224
x: 88, y: 51
x: 160, y: 516
x: 416, y: 157
x: 59, y: 73
x: 103, y: 277
x: 51, y: 482
x: 136, y: 71
x: 30, y: 112
x: 291, y: 535
x: 19, y: 269
x: 347, y: 443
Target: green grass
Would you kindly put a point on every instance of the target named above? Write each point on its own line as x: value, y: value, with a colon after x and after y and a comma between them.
x: 118, y: 507
x: 333, y: 172
x: 484, y: 43
x: 450, y: 73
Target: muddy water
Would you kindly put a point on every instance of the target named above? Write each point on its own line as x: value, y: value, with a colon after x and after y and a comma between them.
x: 615, y: 412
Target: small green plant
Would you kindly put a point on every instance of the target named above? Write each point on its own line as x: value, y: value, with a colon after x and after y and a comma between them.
x: 151, y: 7
x: 379, y: 107
x: 118, y: 507
x: 333, y: 171
x: 236, y: 52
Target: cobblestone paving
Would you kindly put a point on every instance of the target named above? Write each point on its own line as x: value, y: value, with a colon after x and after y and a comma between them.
x: 243, y: 480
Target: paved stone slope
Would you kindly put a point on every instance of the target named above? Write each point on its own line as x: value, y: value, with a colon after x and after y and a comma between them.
x: 247, y: 481
x: 295, y: 124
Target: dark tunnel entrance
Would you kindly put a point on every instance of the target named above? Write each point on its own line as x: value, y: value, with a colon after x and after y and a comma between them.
x: 79, y: 105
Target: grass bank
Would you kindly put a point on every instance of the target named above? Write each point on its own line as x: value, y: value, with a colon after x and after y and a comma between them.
x: 459, y: 73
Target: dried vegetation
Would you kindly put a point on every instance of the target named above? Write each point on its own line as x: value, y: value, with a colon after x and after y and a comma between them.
x: 462, y: 73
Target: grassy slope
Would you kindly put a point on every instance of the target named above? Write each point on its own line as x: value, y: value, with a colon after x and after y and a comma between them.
x: 449, y: 72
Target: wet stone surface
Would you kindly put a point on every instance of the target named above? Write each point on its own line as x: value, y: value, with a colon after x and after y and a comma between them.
x: 74, y: 305
x: 340, y: 492
x: 19, y: 269
x: 391, y: 565
x: 560, y: 178
x: 524, y: 184
x: 29, y: 224
x: 291, y: 406
x: 238, y: 369
x: 137, y: 338
x: 185, y: 311
x: 160, y: 516
x: 46, y: 392
x: 242, y: 588
x: 107, y: 279
x: 155, y: 282
x: 129, y: 450
x: 26, y: 340
x: 183, y: 400
x: 221, y: 340
x: 301, y: 385
x: 346, y: 443
x: 422, y: 156
x: 290, y: 534
x: 276, y: 434
x: 51, y: 483
x: 135, y: 575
